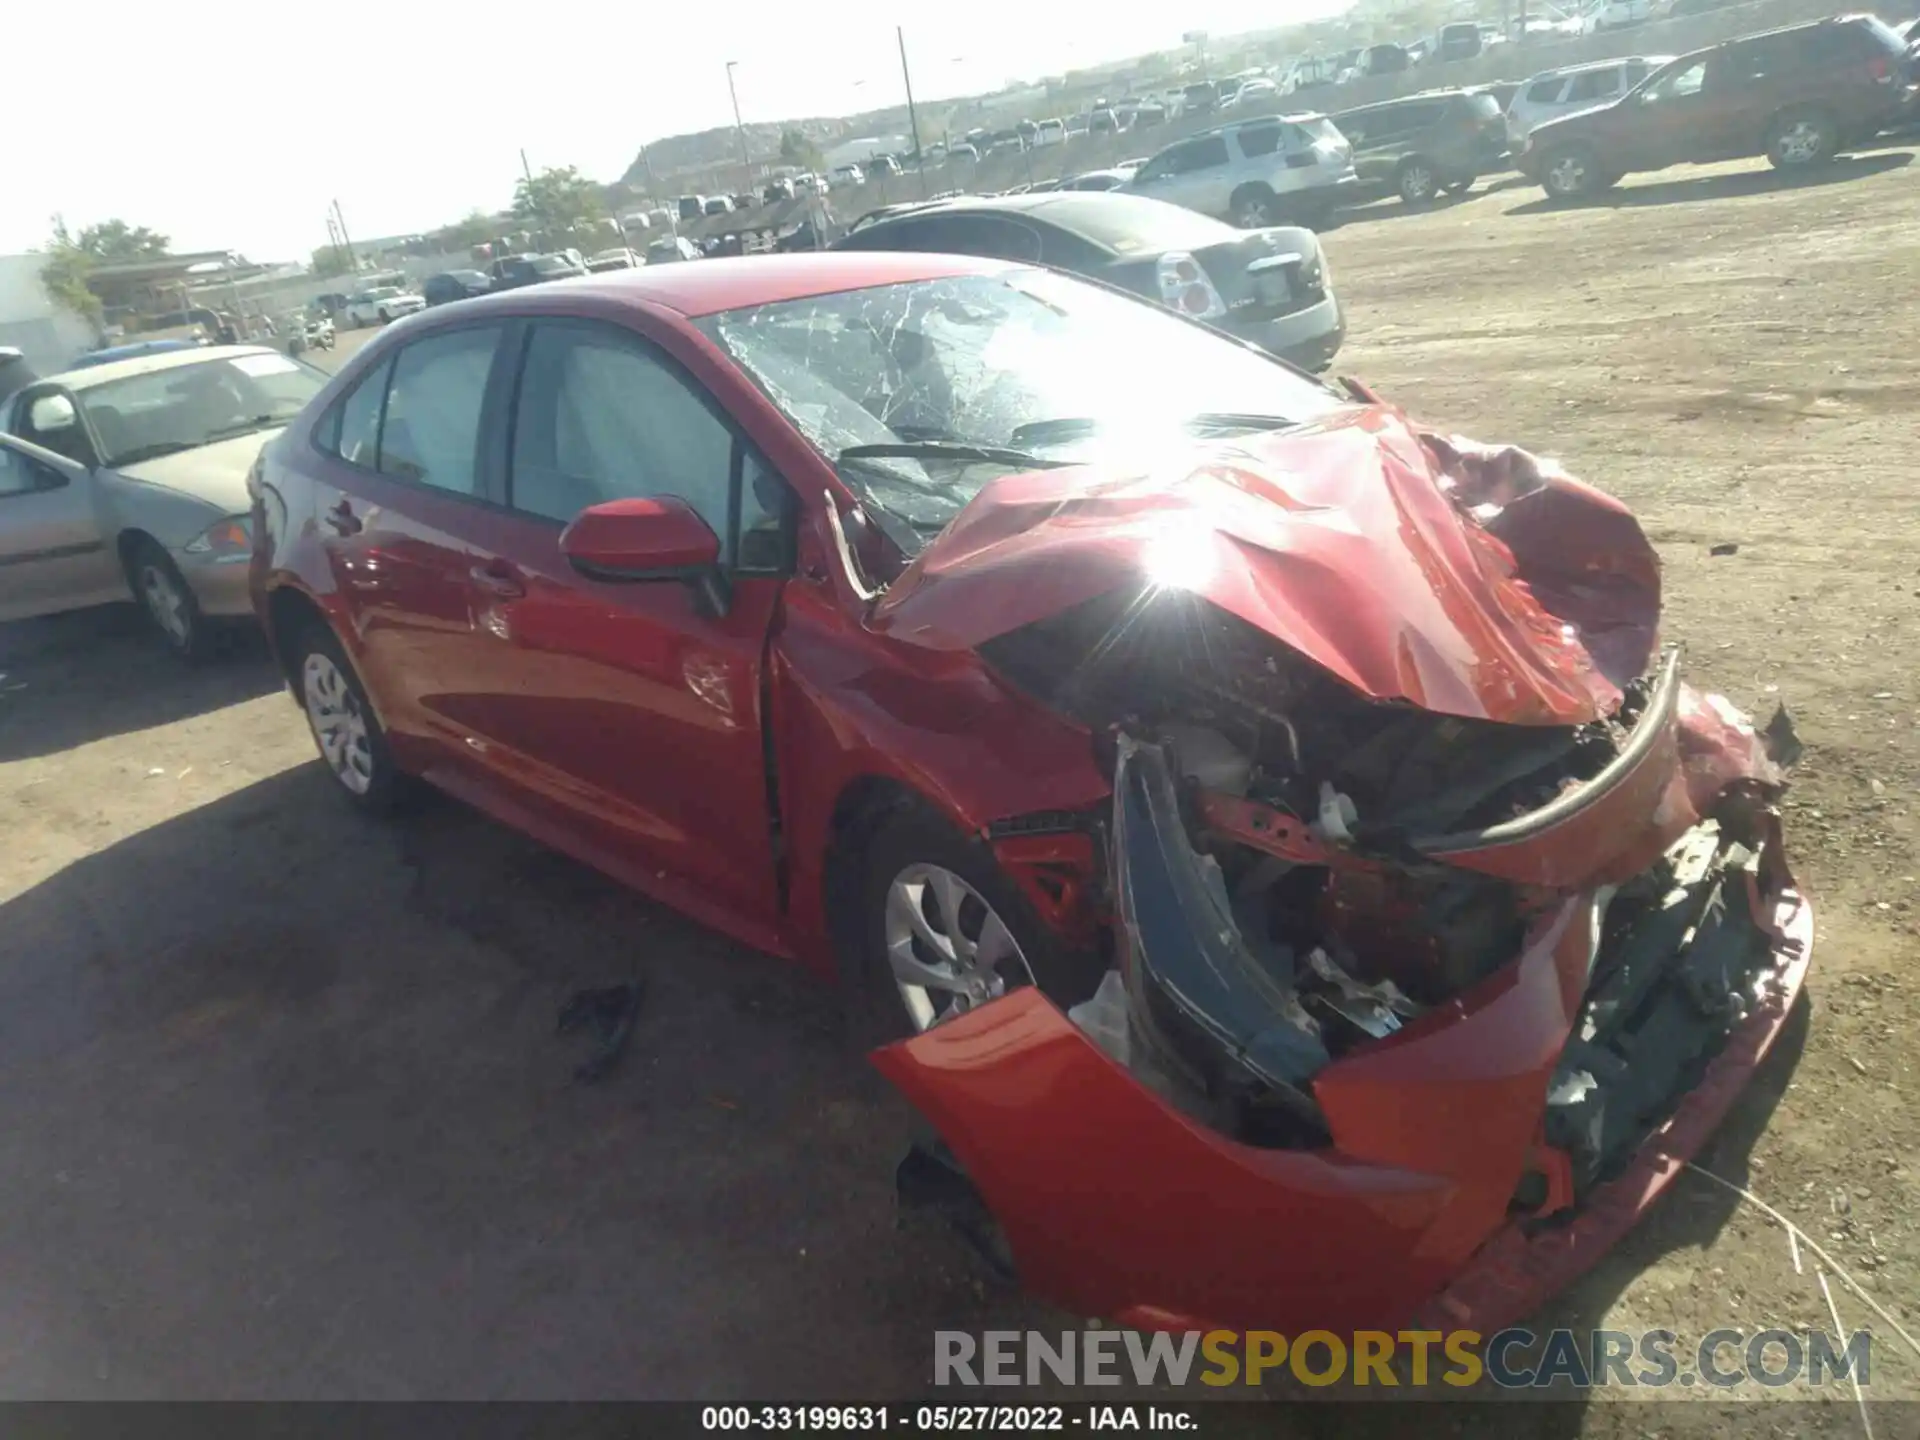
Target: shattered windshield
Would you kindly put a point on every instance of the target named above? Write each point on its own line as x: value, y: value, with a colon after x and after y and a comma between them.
x: 922, y: 393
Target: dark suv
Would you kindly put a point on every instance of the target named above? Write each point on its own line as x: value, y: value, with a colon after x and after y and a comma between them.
x: 1799, y: 96
x: 1422, y: 144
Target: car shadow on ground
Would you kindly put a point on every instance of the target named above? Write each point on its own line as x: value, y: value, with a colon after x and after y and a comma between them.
x: 283, y: 1094
x: 68, y: 680
x: 1726, y: 187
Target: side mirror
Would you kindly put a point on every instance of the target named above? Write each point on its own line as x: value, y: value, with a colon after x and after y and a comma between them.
x: 52, y: 412
x: 658, y: 538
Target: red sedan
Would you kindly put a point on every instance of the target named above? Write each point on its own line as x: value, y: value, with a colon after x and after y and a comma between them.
x: 1279, y: 858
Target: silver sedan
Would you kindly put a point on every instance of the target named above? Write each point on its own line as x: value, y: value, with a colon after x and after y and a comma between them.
x: 128, y: 480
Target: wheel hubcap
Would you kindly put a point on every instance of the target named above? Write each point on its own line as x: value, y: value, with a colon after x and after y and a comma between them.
x: 1253, y: 214
x: 339, y: 726
x: 166, y: 604
x: 1802, y: 142
x: 1567, y: 174
x: 948, y: 950
x: 1418, y: 184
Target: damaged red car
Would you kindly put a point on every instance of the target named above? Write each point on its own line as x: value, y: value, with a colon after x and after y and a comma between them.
x: 1279, y: 856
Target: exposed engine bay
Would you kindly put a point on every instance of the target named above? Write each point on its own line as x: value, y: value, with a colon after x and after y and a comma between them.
x: 1301, y: 872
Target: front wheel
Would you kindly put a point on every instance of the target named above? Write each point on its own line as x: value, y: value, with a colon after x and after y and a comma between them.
x: 1801, y: 139
x: 945, y: 931
x: 352, y: 745
x: 1570, y: 173
x: 169, y: 602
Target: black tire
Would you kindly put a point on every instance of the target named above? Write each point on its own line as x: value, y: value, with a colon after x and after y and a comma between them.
x: 169, y: 602
x: 916, y: 837
x: 385, y: 318
x: 1417, y: 180
x: 1802, y: 138
x: 386, y: 787
x: 1570, y: 173
x: 1254, y: 207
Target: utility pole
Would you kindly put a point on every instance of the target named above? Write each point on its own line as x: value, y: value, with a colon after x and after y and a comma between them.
x: 346, y: 241
x: 913, y: 116
x: 739, y: 131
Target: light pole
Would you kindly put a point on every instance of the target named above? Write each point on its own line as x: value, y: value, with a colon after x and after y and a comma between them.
x: 739, y: 130
x: 913, y: 116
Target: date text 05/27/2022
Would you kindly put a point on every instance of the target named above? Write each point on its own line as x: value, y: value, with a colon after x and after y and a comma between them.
x: 930, y: 1419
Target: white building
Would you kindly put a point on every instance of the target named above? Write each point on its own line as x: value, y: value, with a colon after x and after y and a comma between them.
x: 48, y: 335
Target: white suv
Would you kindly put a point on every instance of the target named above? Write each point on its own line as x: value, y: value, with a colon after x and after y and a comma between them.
x: 1255, y: 173
x: 1554, y: 93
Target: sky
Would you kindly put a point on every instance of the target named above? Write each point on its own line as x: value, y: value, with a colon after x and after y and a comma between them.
x: 232, y: 126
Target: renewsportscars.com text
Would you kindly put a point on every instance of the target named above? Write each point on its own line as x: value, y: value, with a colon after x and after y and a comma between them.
x: 1511, y: 1359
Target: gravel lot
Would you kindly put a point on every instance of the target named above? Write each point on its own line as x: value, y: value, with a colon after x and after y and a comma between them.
x: 283, y: 1113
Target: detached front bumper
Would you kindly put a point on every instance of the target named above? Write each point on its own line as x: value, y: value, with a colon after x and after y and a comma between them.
x: 1436, y: 1174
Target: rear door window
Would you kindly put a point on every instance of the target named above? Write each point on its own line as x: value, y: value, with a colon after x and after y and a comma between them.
x: 1594, y: 85
x: 1546, y: 92
x: 1257, y: 140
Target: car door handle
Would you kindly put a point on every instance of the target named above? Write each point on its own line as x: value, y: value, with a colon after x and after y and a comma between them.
x: 343, y: 520
x: 498, y: 579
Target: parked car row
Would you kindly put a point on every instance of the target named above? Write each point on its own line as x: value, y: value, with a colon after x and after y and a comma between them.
x: 1798, y: 95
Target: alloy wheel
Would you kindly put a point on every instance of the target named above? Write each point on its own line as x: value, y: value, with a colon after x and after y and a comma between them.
x: 168, y: 604
x: 1254, y: 215
x: 1567, y: 175
x: 1802, y: 142
x: 948, y: 950
x: 339, y: 724
x: 1417, y: 183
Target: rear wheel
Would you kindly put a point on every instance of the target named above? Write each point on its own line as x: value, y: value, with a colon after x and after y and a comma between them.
x: 1801, y: 139
x: 347, y: 732
x: 1254, y: 207
x: 1417, y: 180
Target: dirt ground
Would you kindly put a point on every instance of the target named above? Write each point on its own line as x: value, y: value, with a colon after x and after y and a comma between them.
x: 282, y: 1112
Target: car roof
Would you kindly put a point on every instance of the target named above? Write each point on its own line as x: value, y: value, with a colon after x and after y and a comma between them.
x: 738, y: 282
x: 1445, y: 92
x: 92, y: 375
x: 1292, y: 117
x: 1561, y: 72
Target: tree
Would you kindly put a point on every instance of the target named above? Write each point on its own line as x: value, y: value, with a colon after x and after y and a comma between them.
x: 114, y: 242
x: 798, y: 151
x: 328, y: 261
x: 558, y: 198
x: 64, y: 276
x: 476, y: 229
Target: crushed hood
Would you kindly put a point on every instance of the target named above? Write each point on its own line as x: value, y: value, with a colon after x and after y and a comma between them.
x: 1415, y: 567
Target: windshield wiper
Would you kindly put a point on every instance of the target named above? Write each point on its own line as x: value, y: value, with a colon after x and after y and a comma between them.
x: 151, y: 452
x: 244, y: 427
x: 949, y: 450
x: 1078, y: 427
